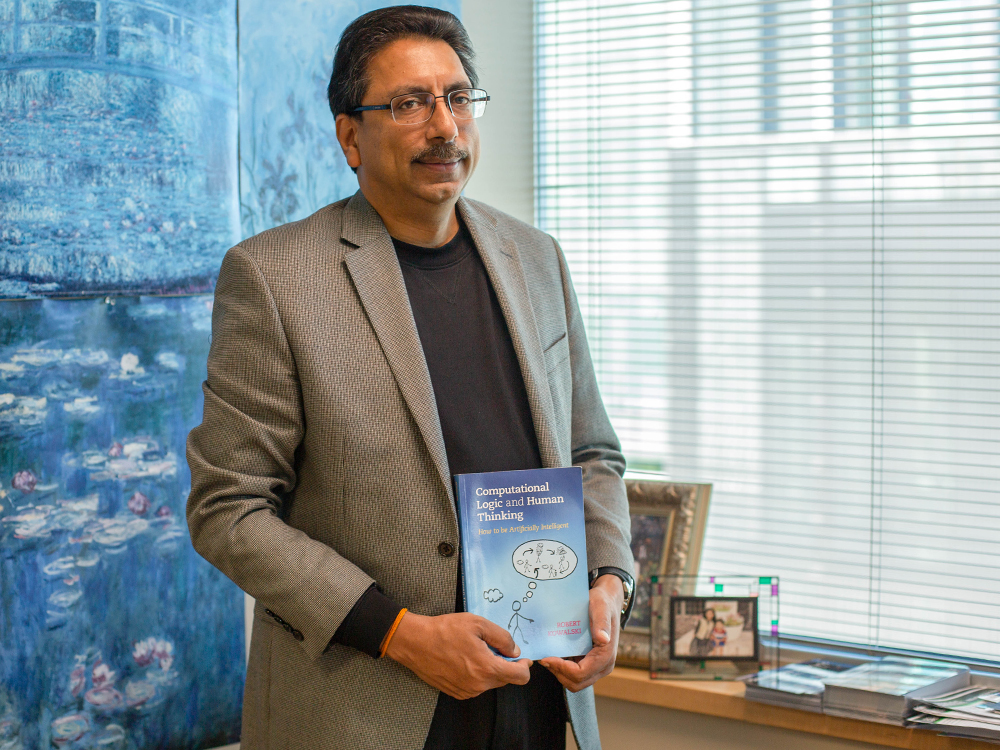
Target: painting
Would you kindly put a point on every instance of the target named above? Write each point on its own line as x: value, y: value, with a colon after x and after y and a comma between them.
x: 290, y: 162
x: 668, y: 528
x: 116, y: 634
x: 118, y: 146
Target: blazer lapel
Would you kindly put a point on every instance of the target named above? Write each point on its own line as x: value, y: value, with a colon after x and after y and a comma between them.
x: 377, y: 277
x: 500, y: 257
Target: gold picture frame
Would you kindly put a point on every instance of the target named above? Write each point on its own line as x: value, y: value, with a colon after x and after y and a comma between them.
x: 668, y: 530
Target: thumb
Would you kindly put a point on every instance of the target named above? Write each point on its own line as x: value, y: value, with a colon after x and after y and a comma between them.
x: 498, y: 638
x: 600, y: 625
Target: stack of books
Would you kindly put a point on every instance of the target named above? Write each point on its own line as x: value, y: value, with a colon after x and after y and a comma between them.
x: 794, y: 685
x: 887, y: 690
x: 970, y: 712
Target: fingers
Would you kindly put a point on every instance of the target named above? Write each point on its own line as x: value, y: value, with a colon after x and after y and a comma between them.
x: 498, y: 638
x: 514, y: 672
x: 506, y: 671
x: 496, y: 673
x: 576, y: 676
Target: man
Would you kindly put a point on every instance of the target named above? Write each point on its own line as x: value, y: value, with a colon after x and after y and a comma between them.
x: 362, y: 356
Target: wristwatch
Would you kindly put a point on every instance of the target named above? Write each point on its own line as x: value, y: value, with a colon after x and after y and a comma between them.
x: 628, y: 587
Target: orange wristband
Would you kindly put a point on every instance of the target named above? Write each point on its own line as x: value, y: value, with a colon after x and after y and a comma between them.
x: 392, y: 631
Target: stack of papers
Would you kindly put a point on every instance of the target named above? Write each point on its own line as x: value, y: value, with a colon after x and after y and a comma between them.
x: 794, y: 685
x: 886, y: 690
x: 971, y: 712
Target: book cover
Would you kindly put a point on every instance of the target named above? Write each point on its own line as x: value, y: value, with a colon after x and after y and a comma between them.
x: 524, y: 557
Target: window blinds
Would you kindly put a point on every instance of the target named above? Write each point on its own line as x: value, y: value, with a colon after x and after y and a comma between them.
x: 783, y: 222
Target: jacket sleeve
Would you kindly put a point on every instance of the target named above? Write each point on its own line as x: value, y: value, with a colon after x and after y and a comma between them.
x: 242, y: 460
x: 595, y: 448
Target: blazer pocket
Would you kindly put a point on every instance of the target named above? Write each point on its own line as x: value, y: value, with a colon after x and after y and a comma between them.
x: 556, y: 353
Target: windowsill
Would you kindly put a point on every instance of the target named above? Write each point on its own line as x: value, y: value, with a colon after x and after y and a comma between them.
x: 725, y: 700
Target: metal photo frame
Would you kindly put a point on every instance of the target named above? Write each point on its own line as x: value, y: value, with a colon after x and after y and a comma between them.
x: 668, y: 529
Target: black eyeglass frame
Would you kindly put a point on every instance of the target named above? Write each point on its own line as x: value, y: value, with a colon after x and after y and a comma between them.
x: 446, y: 97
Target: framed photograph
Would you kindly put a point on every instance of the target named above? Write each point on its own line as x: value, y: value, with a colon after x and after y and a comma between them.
x: 706, y: 628
x: 668, y: 527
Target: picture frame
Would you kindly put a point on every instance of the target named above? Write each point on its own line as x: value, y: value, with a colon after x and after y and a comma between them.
x: 668, y: 529
x: 729, y: 633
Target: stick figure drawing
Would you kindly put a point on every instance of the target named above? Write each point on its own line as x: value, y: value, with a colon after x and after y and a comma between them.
x: 515, y: 620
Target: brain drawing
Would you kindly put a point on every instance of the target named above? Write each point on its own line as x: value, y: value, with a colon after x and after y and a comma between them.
x: 544, y: 559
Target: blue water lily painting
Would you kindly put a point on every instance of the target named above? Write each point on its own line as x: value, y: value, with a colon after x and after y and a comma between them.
x: 118, y: 145
x: 290, y: 162
x: 115, y: 634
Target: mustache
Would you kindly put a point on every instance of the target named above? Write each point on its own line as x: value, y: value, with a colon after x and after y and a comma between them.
x: 442, y: 151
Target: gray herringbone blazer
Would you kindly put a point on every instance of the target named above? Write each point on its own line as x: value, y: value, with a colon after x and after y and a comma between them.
x: 320, y: 465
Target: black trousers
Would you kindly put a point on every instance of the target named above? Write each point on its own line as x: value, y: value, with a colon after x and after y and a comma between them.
x: 514, y: 717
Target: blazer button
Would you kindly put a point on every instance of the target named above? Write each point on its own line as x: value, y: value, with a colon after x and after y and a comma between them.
x: 446, y: 549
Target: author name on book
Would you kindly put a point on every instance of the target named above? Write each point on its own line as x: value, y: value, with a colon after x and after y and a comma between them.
x: 570, y: 627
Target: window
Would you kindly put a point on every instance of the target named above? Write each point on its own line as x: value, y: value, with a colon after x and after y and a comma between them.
x: 783, y: 221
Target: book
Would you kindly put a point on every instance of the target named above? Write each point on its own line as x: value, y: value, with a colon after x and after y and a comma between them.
x: 524, y: 557
x: 793, y: 685
x: 887, y: 689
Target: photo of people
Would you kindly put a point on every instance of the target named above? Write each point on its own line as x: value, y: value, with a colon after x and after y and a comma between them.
x: 703, y: 628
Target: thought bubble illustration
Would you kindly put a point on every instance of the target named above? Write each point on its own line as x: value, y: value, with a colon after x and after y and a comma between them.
x: 493, y: 595
x: 544, y: 560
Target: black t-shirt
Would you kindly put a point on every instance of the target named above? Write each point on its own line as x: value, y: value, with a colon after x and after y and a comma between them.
x: 481, y: 400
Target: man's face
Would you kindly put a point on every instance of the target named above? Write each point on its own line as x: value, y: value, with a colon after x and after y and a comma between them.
x: 405, y: 165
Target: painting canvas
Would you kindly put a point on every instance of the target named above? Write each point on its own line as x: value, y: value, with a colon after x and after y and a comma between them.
x: 115, y: 633
x: 290, y: 162
x: 118, y: 145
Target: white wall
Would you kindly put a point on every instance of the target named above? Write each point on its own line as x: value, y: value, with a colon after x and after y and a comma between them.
x: 502, y: 36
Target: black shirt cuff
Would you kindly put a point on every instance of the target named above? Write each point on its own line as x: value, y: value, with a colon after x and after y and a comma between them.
x: 367, y: 623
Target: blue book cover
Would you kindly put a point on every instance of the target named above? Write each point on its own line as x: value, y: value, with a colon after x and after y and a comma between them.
x: 524, y: 557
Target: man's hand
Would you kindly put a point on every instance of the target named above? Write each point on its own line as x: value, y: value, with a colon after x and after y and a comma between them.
x: 606, y: 599
x: 451, y: 653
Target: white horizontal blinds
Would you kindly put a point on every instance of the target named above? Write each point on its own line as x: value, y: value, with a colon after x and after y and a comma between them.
x: 937, y: 231
x: 606, y: 96
x: 783, y: 221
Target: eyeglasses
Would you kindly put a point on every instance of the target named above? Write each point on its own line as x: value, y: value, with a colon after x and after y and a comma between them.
x: 411, y: 109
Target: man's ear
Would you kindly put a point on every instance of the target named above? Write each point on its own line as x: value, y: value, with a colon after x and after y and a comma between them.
x: 347, y: 135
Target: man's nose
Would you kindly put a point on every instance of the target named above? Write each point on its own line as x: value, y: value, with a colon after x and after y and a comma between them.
x: 442, y: 123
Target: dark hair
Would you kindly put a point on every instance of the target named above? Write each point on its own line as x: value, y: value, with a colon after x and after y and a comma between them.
x: 369, y: 34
